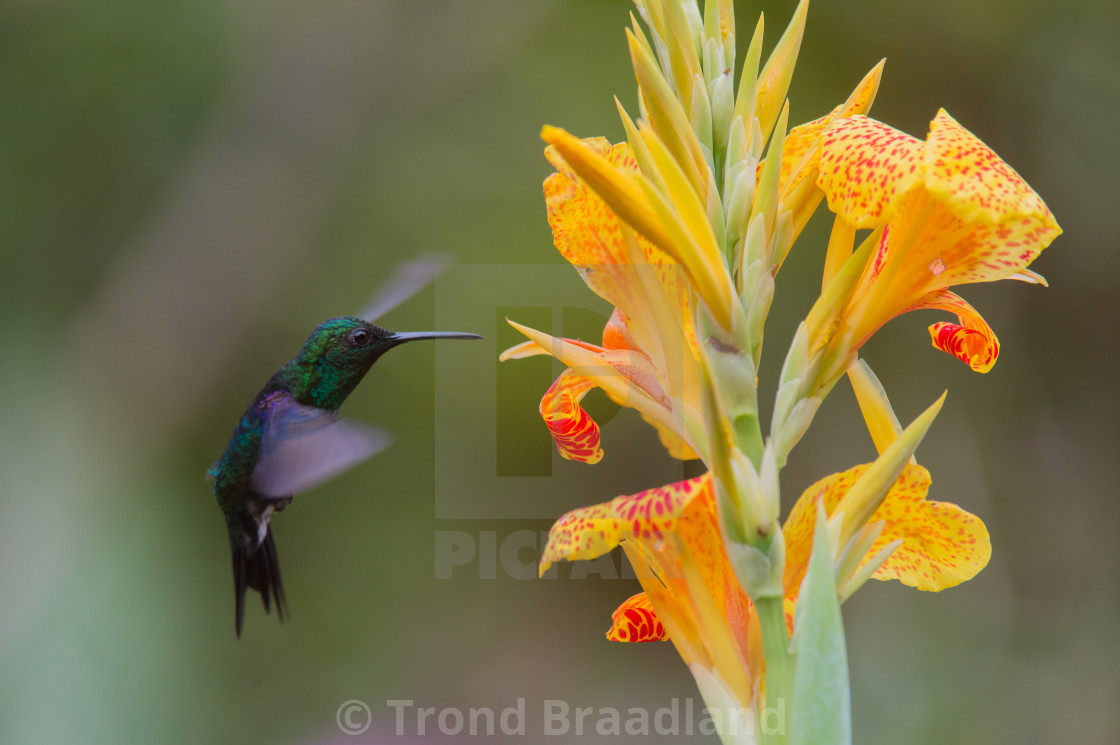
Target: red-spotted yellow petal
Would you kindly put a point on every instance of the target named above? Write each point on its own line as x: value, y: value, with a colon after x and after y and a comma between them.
x: 970, y: 340
x: 943, y: 545
x: 618, y: 185
x: 672, y: 536
x: 636, y: 621
x: 866, y: 167
x: 977, y: 184
x: 800, y: 154
x: 573, y: 430
x: 980, y: 252
x: 679, y: 517
x: 985, y: 223
x: 589, y: 532
x: 588, y: 233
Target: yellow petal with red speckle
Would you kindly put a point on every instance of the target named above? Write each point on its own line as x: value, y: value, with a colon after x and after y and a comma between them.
x: 619, y: 184
x: 589, y: 532
x: 977, y: 184
x: 636, y: 621
x: 800, y: 154
x: 588, y: 233
x: 799, y: 526
x: 865, y: 169
x: 679, y: 529
x: 798, y: 151
x: 971, y: 340
x: 573, y: 430
x: 943, y: 545
x: 982, y: 252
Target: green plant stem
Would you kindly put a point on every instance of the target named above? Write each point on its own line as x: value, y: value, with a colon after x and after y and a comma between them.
x: 779, y: 667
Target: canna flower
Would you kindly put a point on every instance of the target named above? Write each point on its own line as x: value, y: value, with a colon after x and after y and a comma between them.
x: 647, y: 357
x: 945, y: 212
x: 671, y: 534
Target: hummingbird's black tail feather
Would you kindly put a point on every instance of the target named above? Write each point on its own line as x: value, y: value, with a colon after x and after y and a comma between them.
x: 257, y: 569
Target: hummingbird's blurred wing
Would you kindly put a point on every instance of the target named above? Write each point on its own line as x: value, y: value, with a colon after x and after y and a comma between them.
x: 302, y: 446
x: 407, y: 280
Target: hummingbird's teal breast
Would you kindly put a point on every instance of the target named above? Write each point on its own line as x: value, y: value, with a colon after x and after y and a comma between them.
x: 233, y: 471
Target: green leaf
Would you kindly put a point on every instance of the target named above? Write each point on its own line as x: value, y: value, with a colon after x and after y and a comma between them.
x: 821, y: 707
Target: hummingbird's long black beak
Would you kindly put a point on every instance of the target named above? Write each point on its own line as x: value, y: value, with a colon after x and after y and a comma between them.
x: 402, y: 337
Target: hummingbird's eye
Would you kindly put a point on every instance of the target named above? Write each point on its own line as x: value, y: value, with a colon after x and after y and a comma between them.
x: 359, y: 337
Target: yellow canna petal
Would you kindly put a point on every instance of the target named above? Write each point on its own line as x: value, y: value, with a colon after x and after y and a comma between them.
x: 866, y: 167
x: 672, y: 536
x: 573, y: 430
x: 951, y: 211
x: 590, y: 532
x: 943, y: 545
x: 974, y: 181
x: 618, y: 187
x: 636, y: 621
x: 627, y: 376
x: 587, y: 232
x: 799, y: 148
x: 971, y: 340
x: 952, y: 252
x: 800, y: 154
x: 612, y: 259
x: 799, y: 526
x: 522, y: 351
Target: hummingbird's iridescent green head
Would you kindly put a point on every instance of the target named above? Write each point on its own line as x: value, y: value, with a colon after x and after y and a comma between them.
x: 338, y: 354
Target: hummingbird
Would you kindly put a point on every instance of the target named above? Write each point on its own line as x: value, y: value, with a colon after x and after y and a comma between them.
x: 291, y: 438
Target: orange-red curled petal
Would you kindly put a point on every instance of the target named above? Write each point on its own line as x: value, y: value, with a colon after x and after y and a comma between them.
x: 968, y: 345
x: 636, y: 621
x: 971, y: 340
x: 573, y: 430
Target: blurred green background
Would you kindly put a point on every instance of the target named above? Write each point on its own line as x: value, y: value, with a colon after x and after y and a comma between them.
x: 188, y: 187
